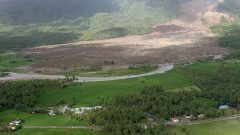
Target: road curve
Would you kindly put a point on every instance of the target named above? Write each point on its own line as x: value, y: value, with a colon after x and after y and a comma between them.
x: 28, y: 76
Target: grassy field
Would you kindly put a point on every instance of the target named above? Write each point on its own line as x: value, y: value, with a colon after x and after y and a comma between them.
x: 89, y: 93
x: 107, y: 72
x: 38, y: 119
x: 56, y: 132
x: 9, y: 62
x: 213, y: 65
x: 229, y: 127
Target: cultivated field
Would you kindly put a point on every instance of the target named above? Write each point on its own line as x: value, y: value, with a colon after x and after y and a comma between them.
x: 90, y: 93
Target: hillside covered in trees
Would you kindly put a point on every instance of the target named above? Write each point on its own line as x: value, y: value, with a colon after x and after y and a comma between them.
x: 34, y: 22
x: 229, y: 32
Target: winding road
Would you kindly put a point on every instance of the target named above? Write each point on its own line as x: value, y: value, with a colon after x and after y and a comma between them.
x: 28, y: 76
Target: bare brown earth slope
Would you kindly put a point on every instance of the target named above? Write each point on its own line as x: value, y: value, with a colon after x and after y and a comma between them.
x: 184, y: 38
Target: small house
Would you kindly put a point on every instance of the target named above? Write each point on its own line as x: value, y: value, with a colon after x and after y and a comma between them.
x: 201, y: 116
x: 223, y: 107
x: 175, y: 120
x: 218, y: 57
x: 188, y: 117
x: 14, y: 125
x: 51, y: 113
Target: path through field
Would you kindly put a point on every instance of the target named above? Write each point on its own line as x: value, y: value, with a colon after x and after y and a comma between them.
x: 65, y: 127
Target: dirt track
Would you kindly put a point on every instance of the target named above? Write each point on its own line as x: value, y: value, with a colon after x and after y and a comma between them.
x: 183, y: 38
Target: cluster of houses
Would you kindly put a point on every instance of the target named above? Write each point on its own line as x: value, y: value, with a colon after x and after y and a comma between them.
x: 14, y: 125
x: 187, y: 118
x: 64, y: 109
x: 191, y: 117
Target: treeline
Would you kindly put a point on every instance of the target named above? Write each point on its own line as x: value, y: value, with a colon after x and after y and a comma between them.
x: 13, y: 41
x: 125, y: 115
x: 222, y: 85
x: 26, y: 23
x: 44, y: 11
x: 229, y: 32
x: 23, y: 95
x: 129, y: 114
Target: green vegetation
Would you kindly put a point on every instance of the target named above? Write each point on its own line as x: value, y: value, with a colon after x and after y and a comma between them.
x: 123, y: 99
x: 227, y: 127
x: 213, y: 65
x: 229, y: 32
x: 10, y: 62
x: 93, y: 20
x: 125, y: 115
x: 99, y: 71
x: 3, y: 74
x: 23, y: 95
x: 90, y: 93
x: 38, y: 119
x: 57, y: 132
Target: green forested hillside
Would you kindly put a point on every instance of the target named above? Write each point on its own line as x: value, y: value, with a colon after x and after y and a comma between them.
x: 229, y: 32
x: 25, y: 23
x: 38, y: 11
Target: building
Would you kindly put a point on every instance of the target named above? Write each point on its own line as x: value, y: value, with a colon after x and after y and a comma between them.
x: 51, y: 112
x: 218, y: 57
x: 82, y: 110
x: 201, y: 116
x: 223, y: 107
x: 14, y: 125
x: 175, y: 120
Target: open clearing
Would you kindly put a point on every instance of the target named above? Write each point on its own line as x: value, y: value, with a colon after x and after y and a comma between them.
x: 228, y: 127
x: 39, y: 119
x: 180, y: 39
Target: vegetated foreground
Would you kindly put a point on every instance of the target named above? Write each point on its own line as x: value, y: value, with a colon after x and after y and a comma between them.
x: 229, y: 127
x: 184, y: 38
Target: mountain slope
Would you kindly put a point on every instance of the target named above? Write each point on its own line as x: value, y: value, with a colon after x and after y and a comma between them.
x: 74, y: 20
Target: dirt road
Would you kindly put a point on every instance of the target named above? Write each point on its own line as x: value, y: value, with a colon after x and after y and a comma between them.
x: 15, y: 76
x: 65, y: 127
x: 100, y: 128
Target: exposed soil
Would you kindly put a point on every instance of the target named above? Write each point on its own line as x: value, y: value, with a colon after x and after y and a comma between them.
x: 184, y: 38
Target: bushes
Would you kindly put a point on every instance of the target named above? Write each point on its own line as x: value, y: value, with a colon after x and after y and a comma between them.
x: 23, y: 95
x: 103, y: 33
x: 35, y: 38
x: 3, y: 74
x: 127, y: 114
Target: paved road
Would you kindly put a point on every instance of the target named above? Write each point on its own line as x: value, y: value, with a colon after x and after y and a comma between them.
x: 65, y: 127
x: 15, y: 76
